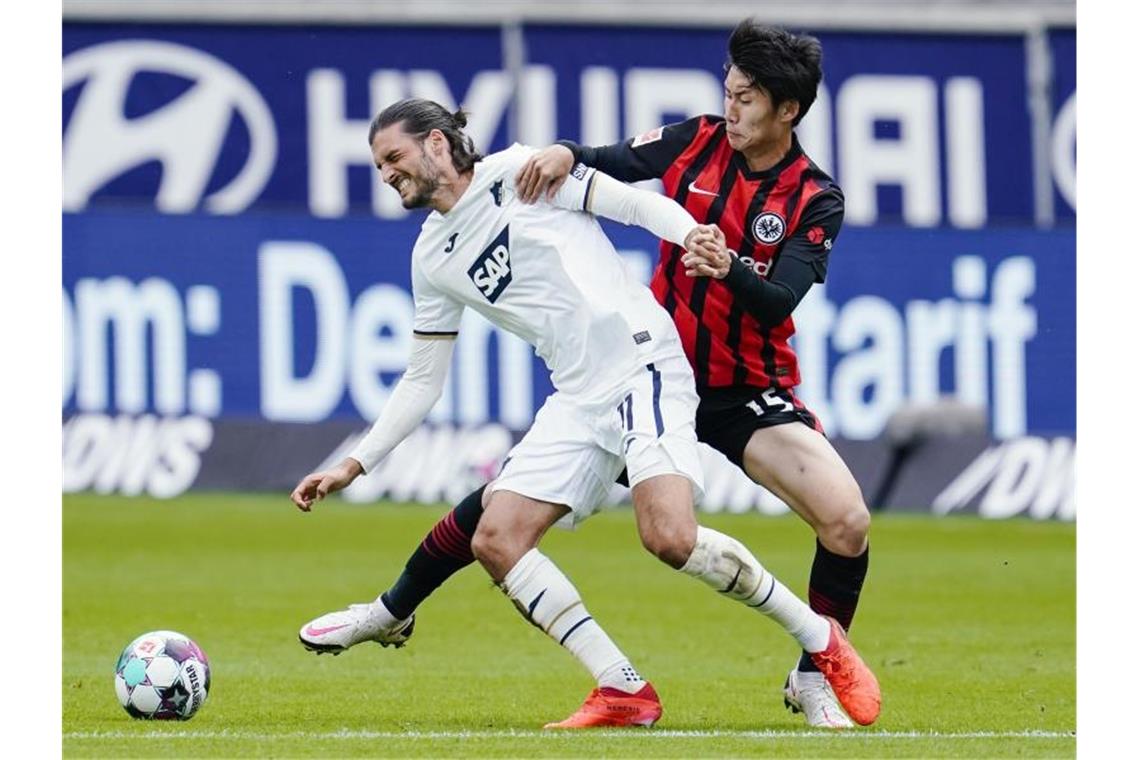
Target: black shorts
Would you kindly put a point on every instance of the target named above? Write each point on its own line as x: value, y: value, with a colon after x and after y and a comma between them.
x: 726, y: 420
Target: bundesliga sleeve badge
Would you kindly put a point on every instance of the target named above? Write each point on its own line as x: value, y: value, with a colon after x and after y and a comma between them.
x: 651, y: 136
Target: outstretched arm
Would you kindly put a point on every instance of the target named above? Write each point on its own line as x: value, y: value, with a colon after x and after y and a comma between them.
x: 411, y: 400
x: 662, y: 216
x: 599, y: 194
x: 646, y: 156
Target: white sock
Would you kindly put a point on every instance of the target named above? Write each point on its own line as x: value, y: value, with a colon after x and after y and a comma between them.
x: 622, y: 676
x: 547, y: 598
x: 726, y: 564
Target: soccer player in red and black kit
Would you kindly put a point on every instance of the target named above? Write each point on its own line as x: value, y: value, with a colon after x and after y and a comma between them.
x: 746, y: 173
x: 780, y: 214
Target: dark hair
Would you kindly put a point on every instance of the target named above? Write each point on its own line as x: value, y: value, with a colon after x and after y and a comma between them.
x: 419, y: 117
x: 787, y: 65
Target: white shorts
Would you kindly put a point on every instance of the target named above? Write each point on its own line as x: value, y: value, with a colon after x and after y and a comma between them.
x: 574, y: 452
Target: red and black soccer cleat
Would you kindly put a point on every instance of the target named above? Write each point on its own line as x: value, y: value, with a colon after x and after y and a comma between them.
x: 854, y: 684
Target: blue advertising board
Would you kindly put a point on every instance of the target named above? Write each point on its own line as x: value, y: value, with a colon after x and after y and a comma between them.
x: 1063, y: 137
x: 183, y: 113
x: 929, y: 130
x: 272, y: 283
x: 292, y: 319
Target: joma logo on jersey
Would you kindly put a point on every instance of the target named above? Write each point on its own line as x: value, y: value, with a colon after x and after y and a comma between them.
x: 491, y: 272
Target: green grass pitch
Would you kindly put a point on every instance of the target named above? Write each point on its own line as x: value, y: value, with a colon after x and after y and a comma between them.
x: 970, y: 626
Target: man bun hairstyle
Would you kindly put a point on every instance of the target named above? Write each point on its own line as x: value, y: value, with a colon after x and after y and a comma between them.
x: 419, y: 117
x: 789, y: 66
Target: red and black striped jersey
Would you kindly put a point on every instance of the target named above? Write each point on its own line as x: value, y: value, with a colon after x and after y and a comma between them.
x: 784, y: 218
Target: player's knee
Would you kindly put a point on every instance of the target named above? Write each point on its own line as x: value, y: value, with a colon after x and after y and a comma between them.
x: 846, y: 533
x: 483, y: 541
x: 501, y: 539
x: 491, y: 546
x: 670, y: 542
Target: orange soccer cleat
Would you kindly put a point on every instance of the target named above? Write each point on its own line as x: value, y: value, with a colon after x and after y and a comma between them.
x: 854, y: 684
x: 613, y: 708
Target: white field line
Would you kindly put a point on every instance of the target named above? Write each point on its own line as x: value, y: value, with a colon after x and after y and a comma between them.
x: 609, y: 734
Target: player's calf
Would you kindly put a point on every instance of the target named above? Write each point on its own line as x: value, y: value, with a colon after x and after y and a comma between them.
x: 444, y: 551
x: 834, y: 589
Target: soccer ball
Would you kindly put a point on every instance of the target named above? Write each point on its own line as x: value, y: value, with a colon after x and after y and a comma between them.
x: 162, y: 675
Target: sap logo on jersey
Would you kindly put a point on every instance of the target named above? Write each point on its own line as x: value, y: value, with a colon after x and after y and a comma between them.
x: 491, y: 272
x: 186, y: 136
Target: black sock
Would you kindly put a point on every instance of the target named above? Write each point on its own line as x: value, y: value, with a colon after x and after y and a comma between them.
x: 834, y: 588
x: 444, y: 551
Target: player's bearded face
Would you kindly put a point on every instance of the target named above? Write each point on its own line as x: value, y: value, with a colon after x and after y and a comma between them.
x: 422, y: 185
x: 750, y: 118
x: 405, y: 165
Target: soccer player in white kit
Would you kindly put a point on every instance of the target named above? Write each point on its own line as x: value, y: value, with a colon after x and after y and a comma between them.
x: 624, y: 397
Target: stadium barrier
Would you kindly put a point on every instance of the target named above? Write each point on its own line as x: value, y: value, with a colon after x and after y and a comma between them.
x: 165, y: 457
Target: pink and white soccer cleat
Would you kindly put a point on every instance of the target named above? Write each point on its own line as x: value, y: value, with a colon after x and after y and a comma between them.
x: 337, y: 631
x: 809, y: 693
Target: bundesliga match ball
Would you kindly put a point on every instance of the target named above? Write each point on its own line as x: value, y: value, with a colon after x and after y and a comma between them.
x: 162, y: 675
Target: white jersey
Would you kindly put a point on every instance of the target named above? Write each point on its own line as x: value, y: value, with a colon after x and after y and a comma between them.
x: 546, y: 272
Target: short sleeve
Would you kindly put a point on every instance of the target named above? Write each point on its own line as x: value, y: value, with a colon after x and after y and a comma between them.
x: 574, y: 192
x: 437, y: 315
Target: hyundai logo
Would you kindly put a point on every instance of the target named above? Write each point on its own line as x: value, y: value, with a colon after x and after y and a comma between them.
x: 185, y: 136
